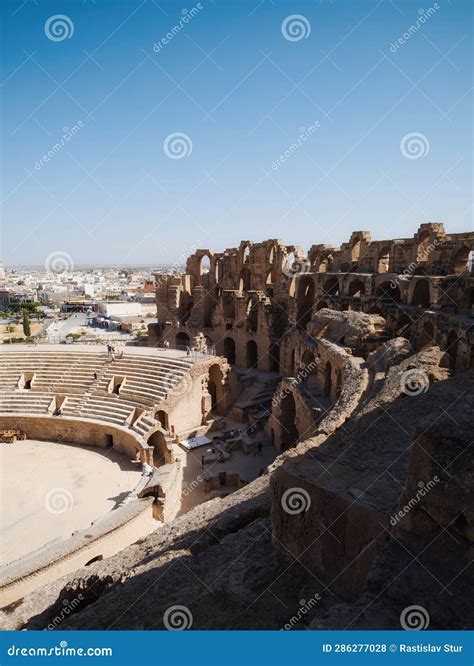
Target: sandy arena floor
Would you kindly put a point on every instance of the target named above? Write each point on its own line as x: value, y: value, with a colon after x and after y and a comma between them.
x: 50, y: 490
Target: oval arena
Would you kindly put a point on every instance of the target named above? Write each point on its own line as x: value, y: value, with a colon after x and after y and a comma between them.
x: 316, y: 444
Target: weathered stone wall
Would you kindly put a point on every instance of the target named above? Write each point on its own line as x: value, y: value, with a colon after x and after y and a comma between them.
x: 252, y: 294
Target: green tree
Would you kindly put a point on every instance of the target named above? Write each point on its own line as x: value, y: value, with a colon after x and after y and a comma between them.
x: 26, y: 324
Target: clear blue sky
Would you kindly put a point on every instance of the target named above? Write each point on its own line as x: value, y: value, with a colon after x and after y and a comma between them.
x: 242, y: 93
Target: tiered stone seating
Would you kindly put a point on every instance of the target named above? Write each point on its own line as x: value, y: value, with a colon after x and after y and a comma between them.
x: 147, y: 378
x: 24, y: 402
x: 54, y: 372
x: 70, y: 374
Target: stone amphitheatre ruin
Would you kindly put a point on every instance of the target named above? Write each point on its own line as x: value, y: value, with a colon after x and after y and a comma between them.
x: 354, y: 365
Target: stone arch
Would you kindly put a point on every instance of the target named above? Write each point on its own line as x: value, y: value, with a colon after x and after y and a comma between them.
x: 355, y: 251
x: 228, y: 306
x: 326, y: 263
x: 305, y: 300
x: 331, y: 286
x: 205, y: 264
x: 162, y: 417
x: 421, y: 294
x: 461, y: 260
x: 403, y: 326
x: 161, y: 453
x: 383, y: 261
x: 289, y: 431
x: 274, y: 353
x: 229, y: 350
x: 356, y: 289
x: 252, y: 354
x: 245, y: 280
x: 182, y: 340
x: 388, y: 291
x: 216, y: 389
x: 252, y: 314
x: 452, y: 349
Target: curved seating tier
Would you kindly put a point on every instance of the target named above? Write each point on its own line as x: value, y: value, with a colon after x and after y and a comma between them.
x: 145, y: 380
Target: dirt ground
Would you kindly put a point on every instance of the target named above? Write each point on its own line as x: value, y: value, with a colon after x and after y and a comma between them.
x: 49, y: 490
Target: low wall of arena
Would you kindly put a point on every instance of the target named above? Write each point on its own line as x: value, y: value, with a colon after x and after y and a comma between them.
x: 104, y: 538
x: 79, y: 431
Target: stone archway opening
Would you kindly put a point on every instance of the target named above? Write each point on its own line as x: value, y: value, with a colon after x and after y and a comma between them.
x: 421, y: 294
x: 356, y: 289
x: 161, y: 453
x: 182, y: 340
x: 388, y: 291
x: 274, y: 354
x: 305, y: 301
x: 383, y: 262
x: 245, y: 280
x: 205, y: 265
x: 252, y: 354
x: 216, y: 388
x: 229, y: 350
x: 162, y: 417
x: 331, y: 286
x: 461, y: 259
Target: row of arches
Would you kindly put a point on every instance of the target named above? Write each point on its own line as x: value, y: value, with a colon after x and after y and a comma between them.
x: 252, y: 354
